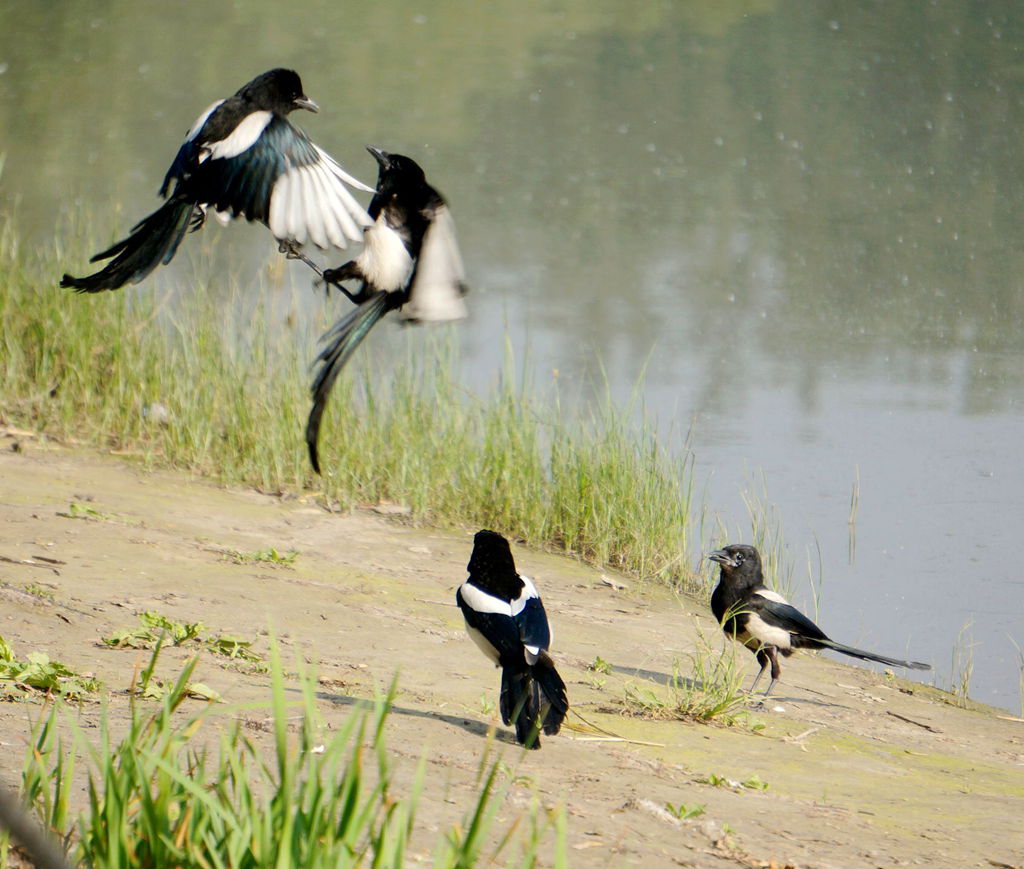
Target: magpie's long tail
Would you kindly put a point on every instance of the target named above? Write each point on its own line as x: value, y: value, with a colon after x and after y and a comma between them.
x: 152, y: 242
x: 871, y: 656
x: 342, y: 339
x: 533, y: 699
x: 554, y: 701
x: 518, y: 704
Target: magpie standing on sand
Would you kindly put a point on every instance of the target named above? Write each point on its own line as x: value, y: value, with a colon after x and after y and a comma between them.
x: 762, y: 619
x: 242, y: 158
x: 506, y: 619
x: 410, y: 261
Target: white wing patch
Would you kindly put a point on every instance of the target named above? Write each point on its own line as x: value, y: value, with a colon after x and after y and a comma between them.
x: 436, y: 294
x: 312, y: 203
x: 529, y: 591
x: 201, y: 122
x: 482, y: 602
x: 241, y: 139
x: 773, y: 596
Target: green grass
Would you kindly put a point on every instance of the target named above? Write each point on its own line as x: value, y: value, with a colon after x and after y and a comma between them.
x: 188, y: 790
x: 712, y: 693
x: 593, y: 482
x: 263, y: 556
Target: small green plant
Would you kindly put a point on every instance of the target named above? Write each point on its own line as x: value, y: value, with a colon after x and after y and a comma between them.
x: 153, y: 626
x: 263, y: 556
x: 83, y: 511
x: 753, y: 783
x: 37, y: 674
x: 486, y: 705
x: 234, y: 647
x: 597, y: 684
x: 600, y: 665
x: 684, y: 812
x: 39, y: 591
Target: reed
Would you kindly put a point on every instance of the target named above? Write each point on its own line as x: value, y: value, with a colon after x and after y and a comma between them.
x: 193, y: 378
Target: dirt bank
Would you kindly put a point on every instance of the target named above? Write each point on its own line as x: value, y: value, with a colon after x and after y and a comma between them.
x: 861, y: 770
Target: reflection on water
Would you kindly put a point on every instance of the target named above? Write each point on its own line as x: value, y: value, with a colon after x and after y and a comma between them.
x: 803, y: 219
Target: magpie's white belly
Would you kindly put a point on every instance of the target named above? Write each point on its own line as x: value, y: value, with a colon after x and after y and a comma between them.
x: 384, y: 261
x: 758, y: 632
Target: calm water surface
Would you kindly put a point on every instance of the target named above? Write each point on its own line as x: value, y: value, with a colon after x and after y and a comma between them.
x: 803, y: 220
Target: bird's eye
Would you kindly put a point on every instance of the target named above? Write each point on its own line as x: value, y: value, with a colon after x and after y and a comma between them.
x: 738, y: 558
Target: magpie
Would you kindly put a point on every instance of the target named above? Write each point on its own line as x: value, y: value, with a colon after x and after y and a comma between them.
x: 410, y: 261
x: 762, y: 619
x: 505, y: 618
x: 242, y: 157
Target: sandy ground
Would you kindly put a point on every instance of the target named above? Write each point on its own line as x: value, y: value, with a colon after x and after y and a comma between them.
x: 862, y: 770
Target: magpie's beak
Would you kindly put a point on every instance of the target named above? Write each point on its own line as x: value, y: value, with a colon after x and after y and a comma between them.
x: 306, y: 103
x: 722, y: 557
x: 381, y: 156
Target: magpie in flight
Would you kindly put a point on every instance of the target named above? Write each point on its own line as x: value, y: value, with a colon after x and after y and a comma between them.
x: 410, y: 261
x: 242, y: 157
x: 762, y: 619
x: 506, y: 619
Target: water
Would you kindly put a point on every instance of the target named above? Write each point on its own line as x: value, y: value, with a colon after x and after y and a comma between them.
x: 802, y: 220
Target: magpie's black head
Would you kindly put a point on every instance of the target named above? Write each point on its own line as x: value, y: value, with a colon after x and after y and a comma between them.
x: 739, y: 562
x: 396, y: 170
x: 491, y: 566
x: 280, y: 91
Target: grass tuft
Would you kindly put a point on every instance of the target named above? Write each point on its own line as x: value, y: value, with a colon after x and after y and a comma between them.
x: 163, y: 795
x: 713, y: 692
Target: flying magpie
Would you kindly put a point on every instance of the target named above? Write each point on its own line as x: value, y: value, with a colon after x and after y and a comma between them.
x: 410, y: 261
x: 762, y: 619
x: 506, y: 619
x: 242, y: 157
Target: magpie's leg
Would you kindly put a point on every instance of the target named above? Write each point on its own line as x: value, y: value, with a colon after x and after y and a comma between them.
x: 350, y: 271
x: 292, y: 251
x: 776, y: 669
x: 764, y: 660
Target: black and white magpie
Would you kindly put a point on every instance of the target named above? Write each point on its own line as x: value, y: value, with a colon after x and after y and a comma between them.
x: 410, y: 261
x: 762, y: 619
x: 506, y: 619
x: 242, y: 157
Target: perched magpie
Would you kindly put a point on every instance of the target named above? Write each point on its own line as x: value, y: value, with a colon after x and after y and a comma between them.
x: 761, y: 619
x: 241, y: 157
x: 506, y: 619
x: 410, y: 261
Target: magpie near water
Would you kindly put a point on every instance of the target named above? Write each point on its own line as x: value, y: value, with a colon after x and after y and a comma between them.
x: 241, y: 158
x: 506, y: 619
x: 410, y: 261
x: 764, y: 622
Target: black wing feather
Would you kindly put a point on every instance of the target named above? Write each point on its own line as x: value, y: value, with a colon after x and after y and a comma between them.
x: 787, y: 617
x: 533, y: 624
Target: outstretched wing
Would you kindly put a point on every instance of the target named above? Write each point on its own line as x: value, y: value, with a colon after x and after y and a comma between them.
x: 282, y: 179
x: 438, y: 284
